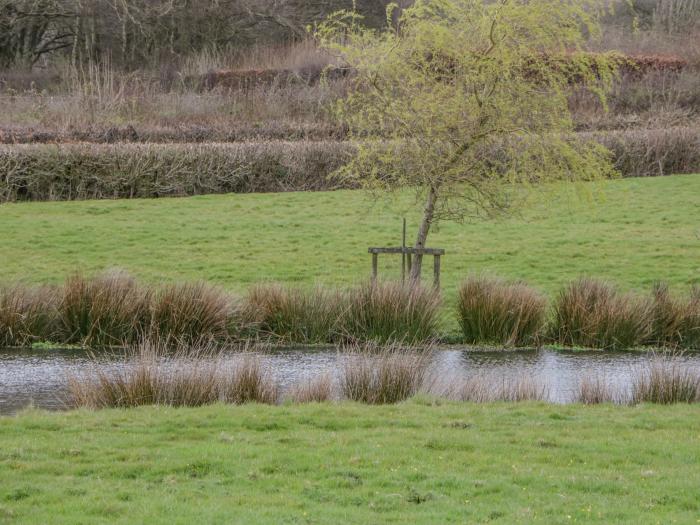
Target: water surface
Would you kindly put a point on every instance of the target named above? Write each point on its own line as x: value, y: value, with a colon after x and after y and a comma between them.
x: 30, y: 377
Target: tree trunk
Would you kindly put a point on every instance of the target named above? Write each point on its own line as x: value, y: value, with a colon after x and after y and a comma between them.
x: 428, y: 213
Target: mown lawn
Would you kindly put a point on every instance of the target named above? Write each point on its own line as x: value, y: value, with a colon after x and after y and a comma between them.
x: 347, y: 463
x: 639, y: 231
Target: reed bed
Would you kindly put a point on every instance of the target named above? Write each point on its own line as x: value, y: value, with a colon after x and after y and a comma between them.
x: 493, y: 311
x: 594, y: 314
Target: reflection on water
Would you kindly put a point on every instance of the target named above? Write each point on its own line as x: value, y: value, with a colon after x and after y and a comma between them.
x: 39, y: 377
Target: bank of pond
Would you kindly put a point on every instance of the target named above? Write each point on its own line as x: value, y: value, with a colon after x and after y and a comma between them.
x: 114, y: 309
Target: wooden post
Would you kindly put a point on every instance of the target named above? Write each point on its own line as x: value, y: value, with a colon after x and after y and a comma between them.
x: 403, y: 253
x: 375, y: 261
x: 436, y: 271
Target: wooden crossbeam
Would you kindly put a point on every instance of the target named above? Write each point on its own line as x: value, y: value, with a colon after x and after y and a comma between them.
x: 420, y: 251
x: 435, y: 252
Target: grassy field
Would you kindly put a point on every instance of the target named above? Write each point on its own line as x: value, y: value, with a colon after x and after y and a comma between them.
x: 638, y: 231
x: 451, y: 463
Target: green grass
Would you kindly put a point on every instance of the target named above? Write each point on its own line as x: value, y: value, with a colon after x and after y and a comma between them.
x: 347, y: 463
x: 641, y: 230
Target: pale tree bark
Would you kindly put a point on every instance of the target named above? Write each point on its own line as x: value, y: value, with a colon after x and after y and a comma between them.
x: 428, y: 215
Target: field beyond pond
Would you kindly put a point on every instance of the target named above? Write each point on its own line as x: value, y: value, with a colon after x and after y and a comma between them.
x: 631, y: 231
x: 412, y: 462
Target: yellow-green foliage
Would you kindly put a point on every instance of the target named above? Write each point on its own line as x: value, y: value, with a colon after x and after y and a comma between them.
x: 466, y: 97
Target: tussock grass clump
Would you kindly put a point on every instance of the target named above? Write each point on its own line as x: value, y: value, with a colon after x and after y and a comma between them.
x: 312, y: 390
x: 194, y: 312
x: 154, y: 374
x: 493, y: 311
x: 27, y: 314
x: 666, y: 380
x: 676, y: 320
x: 383, y: 376
x: 295, y: 314
x: 108, y: 309
x: 593, y: 314
x: 488, y: 389
x: 249, y: 382
x: 594, y: 390
x: 390, y: 312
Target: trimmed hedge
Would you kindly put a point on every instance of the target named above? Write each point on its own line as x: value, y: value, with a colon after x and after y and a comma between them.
x: 40, y: 172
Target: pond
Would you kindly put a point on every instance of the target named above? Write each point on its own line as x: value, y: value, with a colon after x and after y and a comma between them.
x: 39, y: 377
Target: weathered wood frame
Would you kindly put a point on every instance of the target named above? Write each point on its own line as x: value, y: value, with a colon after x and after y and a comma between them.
x: 435, y: 252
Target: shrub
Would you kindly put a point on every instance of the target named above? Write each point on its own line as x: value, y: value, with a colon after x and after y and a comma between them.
x: 294, y: 314
x: 492, y: 311
x: 676, y: 321
x: 593, y: 314
x: 109, y: 309
x: 191, y: 313
x: 27, y: 315
x: 666, y: 380
x: 390, y: 376
x: 390, y: 312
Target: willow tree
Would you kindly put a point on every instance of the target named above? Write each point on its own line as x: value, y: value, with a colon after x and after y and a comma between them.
x: 465, y: 101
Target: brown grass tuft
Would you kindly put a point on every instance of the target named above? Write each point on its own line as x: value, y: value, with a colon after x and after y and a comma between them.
x: 108, y: 309
x: 666, y: 380
x: 493, y: 311
x: 312, y: 390
x: 27, y: 315
x: 592, y: 313
x: 389, y: 376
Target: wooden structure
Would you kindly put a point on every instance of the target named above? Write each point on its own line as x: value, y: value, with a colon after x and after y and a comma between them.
x: 405, y: 251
